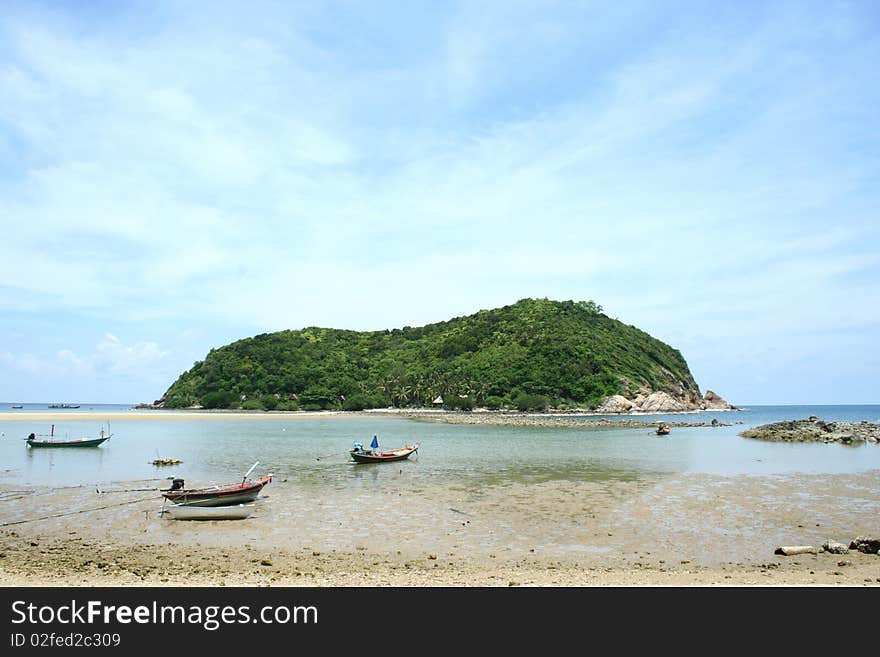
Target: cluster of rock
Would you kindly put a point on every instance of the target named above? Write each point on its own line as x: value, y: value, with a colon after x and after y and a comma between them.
x: 814, y: 430
x: 648, y: 401
x: 860, y: 543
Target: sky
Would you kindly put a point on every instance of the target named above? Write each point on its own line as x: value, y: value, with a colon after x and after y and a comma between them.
x: 175, y: 176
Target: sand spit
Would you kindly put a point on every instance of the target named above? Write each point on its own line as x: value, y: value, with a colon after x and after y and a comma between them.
x: 491, y: 418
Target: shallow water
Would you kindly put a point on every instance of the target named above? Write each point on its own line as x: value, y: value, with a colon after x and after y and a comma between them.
x: 312, y: 452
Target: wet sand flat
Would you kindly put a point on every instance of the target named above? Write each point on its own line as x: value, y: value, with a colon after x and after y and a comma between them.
x: 666, y: 530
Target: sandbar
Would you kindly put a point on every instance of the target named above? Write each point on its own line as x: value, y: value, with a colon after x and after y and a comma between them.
x: 495, y: 418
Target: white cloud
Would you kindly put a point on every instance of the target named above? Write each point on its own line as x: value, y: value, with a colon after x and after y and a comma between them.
x: 264, y: 171
x: 113, y: 356
x: 109, y: 358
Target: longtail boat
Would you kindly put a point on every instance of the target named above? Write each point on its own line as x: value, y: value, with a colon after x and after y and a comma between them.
x: 360, y: 454
x: 246, y: 491
x: 49, y: 441
x: 195, y: 512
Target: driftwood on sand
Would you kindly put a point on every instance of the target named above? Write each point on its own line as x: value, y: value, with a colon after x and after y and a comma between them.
x: 796, y: 549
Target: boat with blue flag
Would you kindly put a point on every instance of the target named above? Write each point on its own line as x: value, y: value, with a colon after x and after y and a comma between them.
x: 373, y: 454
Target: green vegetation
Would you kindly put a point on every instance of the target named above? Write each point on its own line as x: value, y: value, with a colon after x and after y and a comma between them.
x: 531, y: 355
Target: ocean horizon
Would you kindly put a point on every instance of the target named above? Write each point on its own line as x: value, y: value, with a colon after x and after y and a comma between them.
x: 107, y: 406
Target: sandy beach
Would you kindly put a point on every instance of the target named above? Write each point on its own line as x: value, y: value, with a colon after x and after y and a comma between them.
x: 138, y: 415
x: 681, y: 530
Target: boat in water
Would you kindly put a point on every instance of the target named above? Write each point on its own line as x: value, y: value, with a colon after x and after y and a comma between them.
x: 372, y: 454
x: 17, y: 406
x: 246, y: 491
x: 63, y: 405
x: 195, y: 512
x: 663, y: 429
x: 34, y: 440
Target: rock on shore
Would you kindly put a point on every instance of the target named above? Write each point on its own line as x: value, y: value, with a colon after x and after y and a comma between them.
x: 866, y: 545
x: 814, y: 430
x: 648, y: 401
x: 714, y: 402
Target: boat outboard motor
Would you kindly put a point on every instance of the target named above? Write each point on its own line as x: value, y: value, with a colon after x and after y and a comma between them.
x: 177, y: 484
x: 358, y: 447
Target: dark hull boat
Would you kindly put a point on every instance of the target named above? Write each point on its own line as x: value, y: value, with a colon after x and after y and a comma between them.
x: 246, y: 491
x: 49, y: 441
x: 76, y: 442
x: 361, y: 455
x: 663, y: 430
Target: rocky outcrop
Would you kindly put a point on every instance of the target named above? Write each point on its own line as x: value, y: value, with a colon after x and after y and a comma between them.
x: 714, y: 402
x: 661, y: 401
x: 671, y: 396
x: 616, y: 404
x: 814, y: 430
x: 674, y: 400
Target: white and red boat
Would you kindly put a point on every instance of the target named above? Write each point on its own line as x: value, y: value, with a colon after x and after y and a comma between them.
x: 246, y: 491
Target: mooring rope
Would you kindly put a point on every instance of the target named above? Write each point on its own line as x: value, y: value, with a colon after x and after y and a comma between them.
x: 14, y: 494
x: 70, y: 513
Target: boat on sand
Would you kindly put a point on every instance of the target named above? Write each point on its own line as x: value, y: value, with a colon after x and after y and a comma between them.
x: 192, y: 512
x: 246, y: 491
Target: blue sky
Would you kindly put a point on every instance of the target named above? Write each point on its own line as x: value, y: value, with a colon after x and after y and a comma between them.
x: 175, y: 176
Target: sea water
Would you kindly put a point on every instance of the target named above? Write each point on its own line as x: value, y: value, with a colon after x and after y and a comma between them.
x: 312, y: 450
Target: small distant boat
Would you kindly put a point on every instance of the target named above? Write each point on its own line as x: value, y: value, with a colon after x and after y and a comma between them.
x: 246, y: 491
x: 63, y: 405
x: 166, y: 462
x: 663, y: 429
x: 34, y: 440
x: 17, y: 406
x: 361, y: 454
x: 194, y: 512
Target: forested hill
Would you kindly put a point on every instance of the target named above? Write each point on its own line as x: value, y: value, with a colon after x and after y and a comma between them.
x: 528, y: 355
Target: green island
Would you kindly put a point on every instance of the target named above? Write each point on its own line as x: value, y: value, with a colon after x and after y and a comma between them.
x: 533, y: 355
